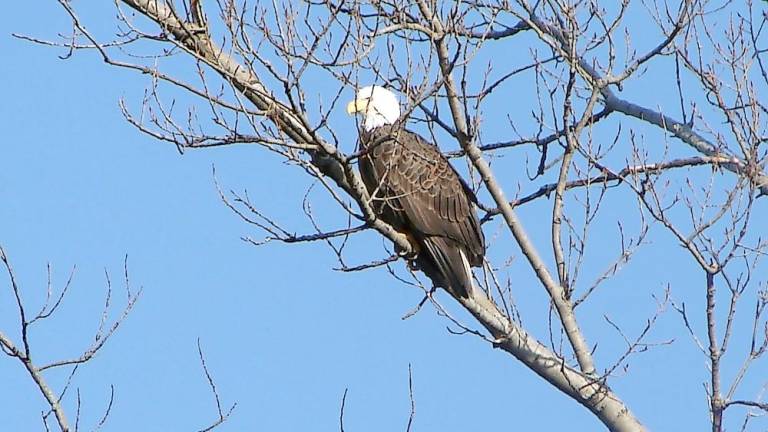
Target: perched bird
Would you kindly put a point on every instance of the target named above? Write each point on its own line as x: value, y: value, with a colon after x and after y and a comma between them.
x: 416, y: 190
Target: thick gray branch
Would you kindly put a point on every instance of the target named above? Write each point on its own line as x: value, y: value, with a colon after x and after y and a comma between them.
x: 592, y: 394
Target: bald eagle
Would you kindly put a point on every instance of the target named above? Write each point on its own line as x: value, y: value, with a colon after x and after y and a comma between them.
x: 416, y: 190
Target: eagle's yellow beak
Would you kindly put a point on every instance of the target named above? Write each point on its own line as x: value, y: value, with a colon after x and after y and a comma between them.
x: 356, y: 106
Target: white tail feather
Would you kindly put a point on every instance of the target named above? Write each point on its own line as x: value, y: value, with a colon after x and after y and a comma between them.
x: 468, y: 272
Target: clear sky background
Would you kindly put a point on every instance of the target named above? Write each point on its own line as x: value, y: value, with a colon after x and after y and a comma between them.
x: 284, y: 335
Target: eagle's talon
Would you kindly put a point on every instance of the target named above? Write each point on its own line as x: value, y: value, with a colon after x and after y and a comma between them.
x: 412, y: 264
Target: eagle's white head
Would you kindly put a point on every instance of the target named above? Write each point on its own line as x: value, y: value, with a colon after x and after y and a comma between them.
x: 377, y: 105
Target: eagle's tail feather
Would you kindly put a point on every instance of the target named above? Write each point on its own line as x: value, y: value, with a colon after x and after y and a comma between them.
x: 447, y: 265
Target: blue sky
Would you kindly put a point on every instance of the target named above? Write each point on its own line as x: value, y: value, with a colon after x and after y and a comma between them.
x: 284, y: 335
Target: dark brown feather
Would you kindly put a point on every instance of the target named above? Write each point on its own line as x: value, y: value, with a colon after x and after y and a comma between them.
x: 415, y: 189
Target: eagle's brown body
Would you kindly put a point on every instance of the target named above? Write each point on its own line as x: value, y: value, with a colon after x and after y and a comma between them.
x: 416, y: 190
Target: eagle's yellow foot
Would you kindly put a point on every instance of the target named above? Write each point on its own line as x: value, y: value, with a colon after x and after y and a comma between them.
x: 415, y: 250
